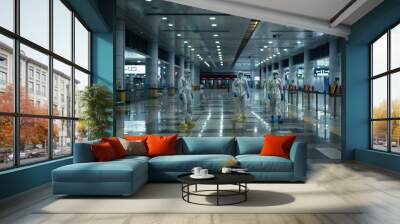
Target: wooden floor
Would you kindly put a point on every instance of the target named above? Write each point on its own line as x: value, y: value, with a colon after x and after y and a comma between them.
x: 379, y: 190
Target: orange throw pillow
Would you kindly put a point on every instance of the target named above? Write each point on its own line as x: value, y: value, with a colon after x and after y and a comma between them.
x: 116, y: 145
x: 103, y: 152
x: 277, y: 145
x: 161, y: 145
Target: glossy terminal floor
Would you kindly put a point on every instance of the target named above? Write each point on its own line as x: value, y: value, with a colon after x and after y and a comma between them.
x: 214, y: 110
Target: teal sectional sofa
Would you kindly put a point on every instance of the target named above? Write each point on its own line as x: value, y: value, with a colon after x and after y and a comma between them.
x: 125, y: 176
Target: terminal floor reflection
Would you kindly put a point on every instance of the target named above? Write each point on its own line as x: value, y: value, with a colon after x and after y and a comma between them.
x: 213, y: 112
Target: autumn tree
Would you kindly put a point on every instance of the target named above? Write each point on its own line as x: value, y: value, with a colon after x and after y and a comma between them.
x: 33, y: 131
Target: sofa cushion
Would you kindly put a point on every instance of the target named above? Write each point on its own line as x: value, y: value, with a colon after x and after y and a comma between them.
x: 161, y: 145
x: 112, y: 171
x: 116, y: 145
x: 257, y: 163
x: 134, y: 147
x: 208, y: 145
x: 185, y: 163
x: 249, y: 145
x: 103, y: 152
x: 275, y: 145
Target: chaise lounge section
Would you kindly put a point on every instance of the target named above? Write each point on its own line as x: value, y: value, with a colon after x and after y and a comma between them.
x: 125, y: 176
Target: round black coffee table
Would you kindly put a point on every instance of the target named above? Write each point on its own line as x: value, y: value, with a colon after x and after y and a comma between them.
x: 238, y: 179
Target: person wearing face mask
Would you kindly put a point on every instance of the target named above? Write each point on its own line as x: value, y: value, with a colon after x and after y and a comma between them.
x: 240, y: 90
x: 276, y: 97
x: 186, y: 96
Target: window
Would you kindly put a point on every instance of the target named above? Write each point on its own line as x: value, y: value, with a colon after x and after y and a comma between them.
x: 6, y: 142
x: 40, y: 62
x: 7, y: 14
x: 35, y: 21
x: 81, y: 82
x: 62, y: 74
x: 62, y: 137
x: 81, y: 45
x: 30, y: 88
x: 33, y: 140
x: 45, y: 131
x: 6, y: 73
x: 385, y: 96
x: 62, y: 29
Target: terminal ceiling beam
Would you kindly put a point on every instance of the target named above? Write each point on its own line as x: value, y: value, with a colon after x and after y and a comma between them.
x: 247, y: 36
x: 354, y: 10
x: 268, y: 15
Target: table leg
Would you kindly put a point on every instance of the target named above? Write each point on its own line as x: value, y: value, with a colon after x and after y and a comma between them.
x: 217, y: 194
x: 196, y: 187
x: 245, y: 193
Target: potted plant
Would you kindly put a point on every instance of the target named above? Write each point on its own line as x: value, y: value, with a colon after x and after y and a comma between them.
x: 96, y: 103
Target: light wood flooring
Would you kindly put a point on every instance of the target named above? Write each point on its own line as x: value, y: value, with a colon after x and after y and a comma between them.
x: 378, y: 189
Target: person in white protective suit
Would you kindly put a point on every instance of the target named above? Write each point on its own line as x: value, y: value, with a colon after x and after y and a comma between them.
x: 186, y: 95
x: 275, y: 96
x: 240, y: 90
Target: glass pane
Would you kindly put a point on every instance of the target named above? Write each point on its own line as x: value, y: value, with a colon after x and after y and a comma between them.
x: 379, y: 98
x: 62, y: 138
x: 395, y: 95
x: 34, y: 78
x: 6, y: 74
x: 7, y: 14
x: 379, y: 135
x: 81, y: 81
x: 395, y: 136
x: 62, y: 29
x: 33, y: 139
x: 81, y: 132
x: 395, y: 47
x: 62, y: 89
x: 6, y: 142
x: 379, y: 56
x: 81, y: 45
x: 35, y: 21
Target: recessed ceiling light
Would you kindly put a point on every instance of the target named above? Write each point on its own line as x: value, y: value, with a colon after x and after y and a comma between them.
x: 214, y: 25
x: 217, y: 42
x: 270, y: 42
x: 192, y: 49
x: 212, y: 18
x: 148, y: 0
x: 189, y: 46
x: 164, y: 18
x: 216, y: 35
x: 261, y: 49
x: 285, y: 49
x: 179, y: 35
x: 265, y: 46
x: 185, y: 42
x: 170, y: 24
x: 218, y: 46
x: 139, y: 61
x: 274, y: 55
x: 298, y: 42
x: 278, y: 53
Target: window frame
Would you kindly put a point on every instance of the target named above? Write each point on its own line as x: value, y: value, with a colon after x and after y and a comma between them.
x: 16, y: 114
x: 388, y: 74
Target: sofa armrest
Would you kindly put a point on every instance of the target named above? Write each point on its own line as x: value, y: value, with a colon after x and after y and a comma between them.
x: 83, y: 152
x: 298, y: 155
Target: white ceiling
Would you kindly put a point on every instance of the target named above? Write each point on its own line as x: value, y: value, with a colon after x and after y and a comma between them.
x: 315, y: 15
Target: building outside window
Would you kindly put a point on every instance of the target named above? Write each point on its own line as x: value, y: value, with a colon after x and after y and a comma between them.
x: 385, y: 95
x: 35, y: 144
